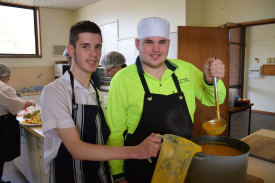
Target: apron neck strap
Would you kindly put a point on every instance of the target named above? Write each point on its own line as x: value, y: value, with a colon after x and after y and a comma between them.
x: 97, y: 95
x: 147, y: 91
x: 74, y: 104
x: 145, y: 86
x: 175, y: 78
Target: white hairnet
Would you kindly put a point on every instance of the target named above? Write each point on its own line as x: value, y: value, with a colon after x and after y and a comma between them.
x: 113, y: 59
x: 4, y: 70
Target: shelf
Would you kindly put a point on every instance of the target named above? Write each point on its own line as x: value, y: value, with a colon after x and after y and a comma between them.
x: 268, y: 69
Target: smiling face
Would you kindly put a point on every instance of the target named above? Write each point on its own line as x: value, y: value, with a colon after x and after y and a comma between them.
x: 86, y: 54
x: 153, y: 51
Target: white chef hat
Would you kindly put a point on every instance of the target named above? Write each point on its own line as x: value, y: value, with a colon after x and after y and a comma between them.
x: 153, y: 27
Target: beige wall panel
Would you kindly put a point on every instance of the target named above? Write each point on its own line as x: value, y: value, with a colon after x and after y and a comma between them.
x: 23, y: 77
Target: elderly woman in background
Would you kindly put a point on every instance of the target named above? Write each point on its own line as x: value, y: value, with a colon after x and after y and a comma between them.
x: 10, y: 105
x: 113, y: 62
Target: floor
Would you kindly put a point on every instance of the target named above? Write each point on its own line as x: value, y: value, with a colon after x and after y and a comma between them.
x: 11, y: 173
x: 239, y: 129
x: 239, y: 123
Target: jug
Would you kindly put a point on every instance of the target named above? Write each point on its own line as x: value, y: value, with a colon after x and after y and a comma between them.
x: 174, y: 159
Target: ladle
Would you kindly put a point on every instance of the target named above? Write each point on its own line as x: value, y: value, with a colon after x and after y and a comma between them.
x: 215, y: 127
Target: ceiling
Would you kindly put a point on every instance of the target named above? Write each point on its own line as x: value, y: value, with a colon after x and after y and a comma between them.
x: 58, y: 4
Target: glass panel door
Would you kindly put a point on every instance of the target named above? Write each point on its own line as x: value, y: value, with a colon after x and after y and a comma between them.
x: 236, y: 55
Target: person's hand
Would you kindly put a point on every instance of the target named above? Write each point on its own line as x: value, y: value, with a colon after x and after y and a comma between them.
x: 213, y: 68
x: 29, y: 103
x: 149, y: 147
x: 33, y: 103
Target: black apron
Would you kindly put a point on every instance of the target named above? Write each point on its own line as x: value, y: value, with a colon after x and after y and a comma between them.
x: 9, y: 138
x: 161, y: 114
x: 92, y: 128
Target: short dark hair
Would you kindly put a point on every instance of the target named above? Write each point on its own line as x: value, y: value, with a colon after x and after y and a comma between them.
x: 80, y: 27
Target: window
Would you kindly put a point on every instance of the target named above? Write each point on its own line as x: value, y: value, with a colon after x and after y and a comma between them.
x: 19, y: 31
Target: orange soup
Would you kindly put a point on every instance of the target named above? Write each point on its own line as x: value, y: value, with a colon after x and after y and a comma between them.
x: 220, y: 150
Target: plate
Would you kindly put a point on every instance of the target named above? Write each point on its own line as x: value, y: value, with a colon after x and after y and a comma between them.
x: 27, y: 124
x: 29, y: 110
x: 21, y: 120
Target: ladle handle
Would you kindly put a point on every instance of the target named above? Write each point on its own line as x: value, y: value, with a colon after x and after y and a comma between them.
x: 216, y: 98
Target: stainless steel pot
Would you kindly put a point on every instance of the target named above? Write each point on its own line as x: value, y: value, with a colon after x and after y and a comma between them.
x: 206, y: 168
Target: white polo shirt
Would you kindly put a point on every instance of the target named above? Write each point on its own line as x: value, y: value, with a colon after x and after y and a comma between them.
x: 10, y: 102
x: 56, y: 111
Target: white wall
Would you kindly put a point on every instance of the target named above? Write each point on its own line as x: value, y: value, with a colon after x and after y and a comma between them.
x: 260, y: 43
x: 194, y: 13
x: 130, y: 12
x: 218, y: 12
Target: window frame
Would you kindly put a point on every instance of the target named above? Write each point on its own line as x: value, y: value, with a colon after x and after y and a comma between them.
x: 241, y: 44
x: 38, y: 50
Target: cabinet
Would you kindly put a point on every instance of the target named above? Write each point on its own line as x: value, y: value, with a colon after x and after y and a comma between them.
x: 20, y: 161
x: 31, y: 160
x: 268, y: 69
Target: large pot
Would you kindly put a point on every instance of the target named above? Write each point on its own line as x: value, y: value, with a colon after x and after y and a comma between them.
x: 206, y: 168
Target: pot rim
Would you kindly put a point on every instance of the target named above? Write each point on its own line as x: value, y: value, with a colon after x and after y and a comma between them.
x: 222, y: 140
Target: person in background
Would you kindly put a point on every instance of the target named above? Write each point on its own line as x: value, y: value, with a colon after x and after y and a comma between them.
x: 67, y: 56
x: 10, y: 105
x: 73, y: 119
x: 95, y: 75
x: 113, y: 62
x: 156, y: 94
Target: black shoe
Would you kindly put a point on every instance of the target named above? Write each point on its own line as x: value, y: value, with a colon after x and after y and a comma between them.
x: 5, y: 181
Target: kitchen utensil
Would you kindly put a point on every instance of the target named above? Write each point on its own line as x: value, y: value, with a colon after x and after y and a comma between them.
x: 174, y: 159
x: 207, y: 168
x: 215, y: 127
